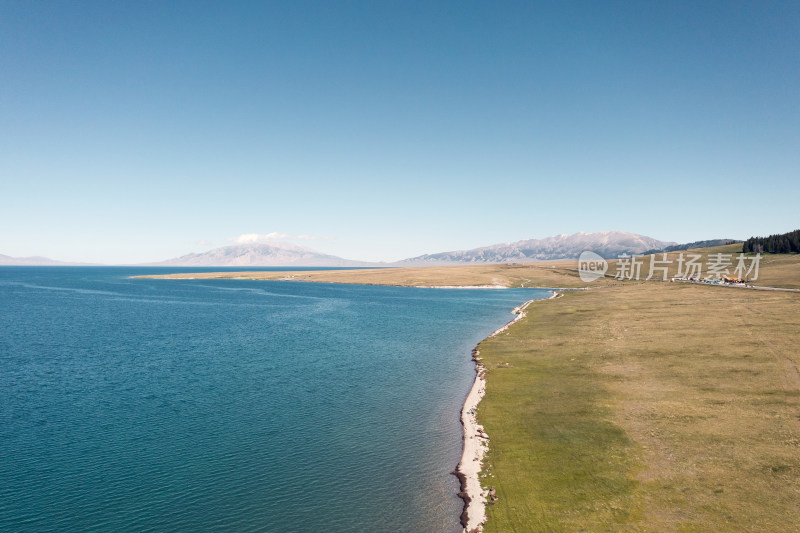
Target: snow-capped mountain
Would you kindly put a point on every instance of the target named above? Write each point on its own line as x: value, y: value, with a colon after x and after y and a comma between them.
x: 262, y: 254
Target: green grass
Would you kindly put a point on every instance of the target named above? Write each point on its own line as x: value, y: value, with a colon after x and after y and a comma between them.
x: 543, y: 411
x: 646, y: 407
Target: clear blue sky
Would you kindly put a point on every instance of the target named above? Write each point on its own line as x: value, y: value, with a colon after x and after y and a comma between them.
x: 138, y: 131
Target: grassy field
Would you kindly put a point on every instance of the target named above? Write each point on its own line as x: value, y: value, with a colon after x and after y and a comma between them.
x: 646, y: 407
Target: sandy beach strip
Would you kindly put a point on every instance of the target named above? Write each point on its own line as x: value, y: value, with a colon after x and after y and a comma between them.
x: 476, y: 441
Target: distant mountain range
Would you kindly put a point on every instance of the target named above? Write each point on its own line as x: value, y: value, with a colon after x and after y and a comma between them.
x: 608, y: 244
x: 262, y: 254
x: 34, y: 261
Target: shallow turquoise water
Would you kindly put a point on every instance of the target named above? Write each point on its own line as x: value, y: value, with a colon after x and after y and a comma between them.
x: 227, y: 405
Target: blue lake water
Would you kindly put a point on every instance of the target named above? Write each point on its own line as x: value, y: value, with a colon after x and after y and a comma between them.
x: 232, y: 405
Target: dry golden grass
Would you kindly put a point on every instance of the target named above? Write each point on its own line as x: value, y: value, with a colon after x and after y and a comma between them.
x: 547, y: 274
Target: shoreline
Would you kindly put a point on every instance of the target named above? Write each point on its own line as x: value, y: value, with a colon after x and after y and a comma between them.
x: 475, y: 439
x: 462, y: 287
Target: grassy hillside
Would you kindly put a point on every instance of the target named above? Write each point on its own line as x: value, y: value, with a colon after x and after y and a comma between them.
x: 780, y: 270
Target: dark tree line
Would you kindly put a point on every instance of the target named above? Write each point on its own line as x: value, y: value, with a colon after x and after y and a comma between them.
x: 774, y: 244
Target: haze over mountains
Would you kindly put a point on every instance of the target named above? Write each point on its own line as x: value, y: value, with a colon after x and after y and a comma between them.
x: 609, y: 244
x: 35, y: 261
